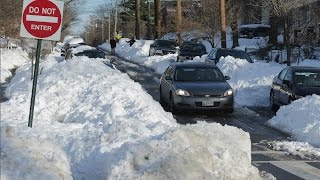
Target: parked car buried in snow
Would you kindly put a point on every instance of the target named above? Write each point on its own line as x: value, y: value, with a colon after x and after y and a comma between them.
x: 163, y: 47
x: 85, y: 50
x: 191, y: 49
x: 293, y: 83
x: 195, y: 86
x: 216, y: 53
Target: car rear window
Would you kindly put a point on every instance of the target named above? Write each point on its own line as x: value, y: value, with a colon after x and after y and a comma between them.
x: 199, y: 74
x: 170, y: 44
x: 307, y: 78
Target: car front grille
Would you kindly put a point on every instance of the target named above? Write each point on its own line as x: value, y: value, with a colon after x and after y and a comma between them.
x: 207, y: 95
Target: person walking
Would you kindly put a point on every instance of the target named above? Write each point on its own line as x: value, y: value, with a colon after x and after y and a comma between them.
x: 113, y: 45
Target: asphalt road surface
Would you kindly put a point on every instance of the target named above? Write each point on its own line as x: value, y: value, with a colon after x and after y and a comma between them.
x: 250, y: 119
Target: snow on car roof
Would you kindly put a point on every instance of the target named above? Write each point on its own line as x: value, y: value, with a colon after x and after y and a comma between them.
x: 76, y: 41
x: 254, y: 26
x: 82, y: 48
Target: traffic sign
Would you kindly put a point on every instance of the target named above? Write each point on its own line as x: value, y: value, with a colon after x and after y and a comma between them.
x: 41, y: 19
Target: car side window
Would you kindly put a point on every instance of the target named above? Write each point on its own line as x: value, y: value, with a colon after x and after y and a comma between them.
x: 282, y: 74
x: 288, y: 75
x: 168, y: 72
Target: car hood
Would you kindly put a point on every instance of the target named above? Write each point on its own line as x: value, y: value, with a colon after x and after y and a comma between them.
x: 307, y: 90
x: 204, y: 88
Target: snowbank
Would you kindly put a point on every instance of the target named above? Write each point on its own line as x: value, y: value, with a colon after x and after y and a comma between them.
x: 302, y: 149
x: 31, y: 158
x: 301, y: 119
x: 11, y: 59
x: 251, y: 81
x: 139, y: 53
x: 109, y: 127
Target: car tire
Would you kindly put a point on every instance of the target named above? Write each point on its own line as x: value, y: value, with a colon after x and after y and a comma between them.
x: 172, y: 108
x: 273, y: 106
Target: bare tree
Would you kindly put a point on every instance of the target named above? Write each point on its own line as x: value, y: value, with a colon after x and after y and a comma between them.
x: 284, y: 10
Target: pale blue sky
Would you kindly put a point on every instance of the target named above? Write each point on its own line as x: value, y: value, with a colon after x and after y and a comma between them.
x: 85, y: 9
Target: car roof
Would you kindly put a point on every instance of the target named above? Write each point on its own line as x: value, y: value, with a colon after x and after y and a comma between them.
x: 193, y: 64
x: 229, y: 49
x: 307, y: 68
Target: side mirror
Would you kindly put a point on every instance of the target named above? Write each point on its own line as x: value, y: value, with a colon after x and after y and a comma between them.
x: 227, y: 77
x: 62, y: 54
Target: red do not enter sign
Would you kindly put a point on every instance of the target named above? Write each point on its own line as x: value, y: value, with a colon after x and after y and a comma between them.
x: 42, y: 18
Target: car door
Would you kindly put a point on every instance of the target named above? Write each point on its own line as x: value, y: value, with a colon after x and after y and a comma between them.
x: 277, y: 83
x: 285, y: 91
x: 166, y: 83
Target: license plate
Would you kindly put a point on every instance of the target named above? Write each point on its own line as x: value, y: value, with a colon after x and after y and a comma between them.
x: 207, y: 103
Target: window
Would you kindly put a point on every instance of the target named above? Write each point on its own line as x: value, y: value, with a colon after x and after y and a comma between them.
x: 168, y: 72
x: 282, y: 74
x: 288, y: 75
x: 199, y: 74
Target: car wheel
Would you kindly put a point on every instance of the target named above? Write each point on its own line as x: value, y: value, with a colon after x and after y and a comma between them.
x: 172, y: 108
x: 273, y: 106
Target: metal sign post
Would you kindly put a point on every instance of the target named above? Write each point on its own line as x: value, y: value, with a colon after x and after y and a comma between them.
x: 34, y: 85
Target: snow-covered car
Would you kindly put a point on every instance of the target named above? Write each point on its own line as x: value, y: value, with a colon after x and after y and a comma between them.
x: 195, y: 86
x: 163, y: 47
x: 85, y: 50
x: 293, y: 83
x: 72, y: 43
x: 216, y: 53
x: 191, y: 49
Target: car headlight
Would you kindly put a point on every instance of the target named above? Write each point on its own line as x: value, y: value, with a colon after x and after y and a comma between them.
x: 229, y: 92
x: 181, y: 92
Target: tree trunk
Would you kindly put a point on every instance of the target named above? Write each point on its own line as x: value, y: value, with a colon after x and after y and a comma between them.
x: 287, y: 41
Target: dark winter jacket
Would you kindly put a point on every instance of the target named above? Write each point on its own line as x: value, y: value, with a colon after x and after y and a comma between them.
x: 113, y: 43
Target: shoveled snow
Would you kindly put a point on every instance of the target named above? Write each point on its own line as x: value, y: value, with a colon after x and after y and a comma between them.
x: 11, y: 59
x: 94, y: 122
x: 301, y: 119
x: 302, y: 149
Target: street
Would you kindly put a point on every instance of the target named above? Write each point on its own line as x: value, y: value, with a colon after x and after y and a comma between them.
x: 250, y: 119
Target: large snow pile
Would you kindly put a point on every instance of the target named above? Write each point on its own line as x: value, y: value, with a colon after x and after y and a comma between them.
x: 108, y: 127
x: 139, y: 53
x: 251, y: 81
x: 11, y: 59
x: 301, y: 119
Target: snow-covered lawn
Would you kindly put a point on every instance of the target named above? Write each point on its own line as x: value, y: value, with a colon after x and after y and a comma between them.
x: 94, y: 122
x: 11, y: 59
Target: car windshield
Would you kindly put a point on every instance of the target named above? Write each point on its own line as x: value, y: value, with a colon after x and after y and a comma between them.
x: 235, y: 54
x: 306, y: 78
x: 193, y: 47
x: 91, y: 54
x: 169, y: 44
x: 199, y: 74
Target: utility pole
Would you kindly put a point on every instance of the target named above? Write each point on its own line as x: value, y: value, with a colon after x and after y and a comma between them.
x: 102, y: 30
x: 109, y: 28
x: 223, y: 24
x: 149, y: 23
x: 157, y: 21
x: 179, y: 22
x: 137, y: 19
x: 116, y: 19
